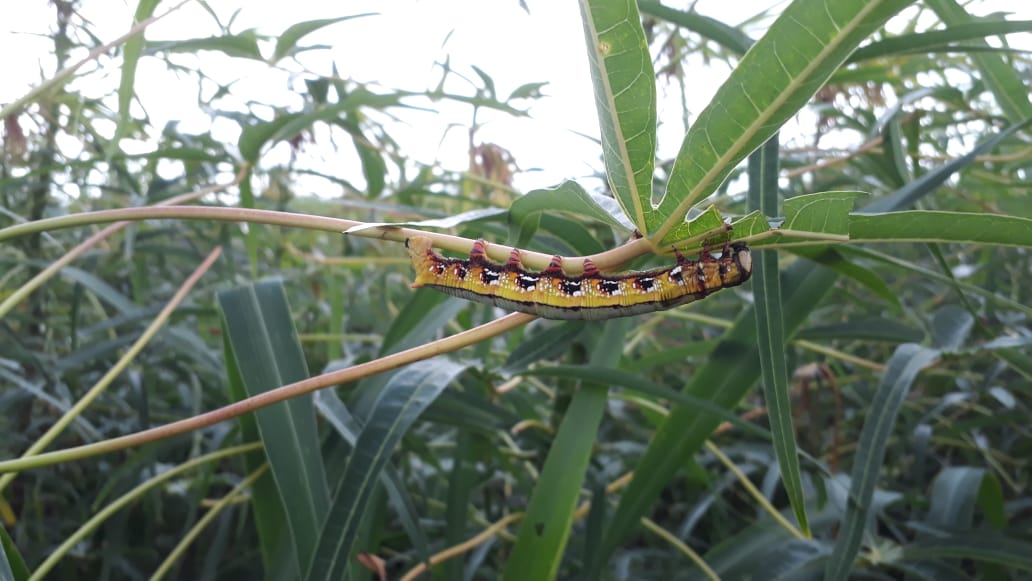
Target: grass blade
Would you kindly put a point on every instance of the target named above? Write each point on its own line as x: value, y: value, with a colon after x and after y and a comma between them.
x: 278, y: 555
x: 770, y: 327
x: 264, y: 342
x: 406, y: 395
x: 12, y: 567
x: 917, y: 189
x: 1014, y: 554
x: 546, y: 529
x: 903, y: 367
x: 333, y: 410
x: 723, y: 379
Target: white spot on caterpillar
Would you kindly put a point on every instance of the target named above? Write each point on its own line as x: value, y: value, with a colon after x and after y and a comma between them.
x: 526, y: 282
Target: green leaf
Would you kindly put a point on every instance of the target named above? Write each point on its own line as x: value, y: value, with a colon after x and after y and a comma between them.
x: 732, y: 368
x: 255, y: 137
x: 636, y: 383
x: 770, y: 329
x: 937, y: 276
x: 278, y: 555
x: 568, y: 197
x: 704, y: 224
x: 545, y: 530
x: 470, y: 412
x: 824, y: 212
x: 286, y: 42
x: 779, y: 74
x: 462, y: 482
x: 264, y: 343
x: 809, y: 216
x: 489, y: 85
x: 956, y: 492
x: 625, y: 96
x: 934, y: 226
x: 251, y: 238
x: 1014, y: 554
x: 921, y: 42
x: 832, y: 258
x: 871, y: 329
x: 127, y: 84
x: 750, y: 225
x: 901, y: 371
x: 951, y: 328
x: 404, y: 398
x: 374, y: 168
x: 1010, y: 90
x: 98, y: 287
x: 708, y: 28
x: 917, y: 189
x: 243, y: 45
x: 749, y: 554
x: 419, y: 321
x: 527, y: 91
x: 12, y: 566
x: 542, y: 343
x: 333, y: 410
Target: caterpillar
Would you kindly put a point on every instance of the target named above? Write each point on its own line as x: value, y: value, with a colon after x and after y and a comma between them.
x: 553, y: 294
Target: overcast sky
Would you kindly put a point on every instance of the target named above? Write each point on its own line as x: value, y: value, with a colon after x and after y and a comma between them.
x: 396, y: 49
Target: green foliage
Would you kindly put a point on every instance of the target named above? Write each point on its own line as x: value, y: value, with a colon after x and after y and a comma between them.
x: 265, y: 352
x: 859, y: 409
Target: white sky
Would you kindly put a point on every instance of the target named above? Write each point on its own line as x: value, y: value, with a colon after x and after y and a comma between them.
x: 394, y: 50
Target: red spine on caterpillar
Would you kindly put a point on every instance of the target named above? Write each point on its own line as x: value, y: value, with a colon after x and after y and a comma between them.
x: 514, y: 260
x: 479, y: 251
x: 555, y: 267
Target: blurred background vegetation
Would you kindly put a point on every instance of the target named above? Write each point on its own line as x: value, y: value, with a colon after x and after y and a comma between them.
x: 950, y: 498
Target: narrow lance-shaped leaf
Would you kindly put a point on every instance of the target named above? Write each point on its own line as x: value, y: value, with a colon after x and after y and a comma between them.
x: 728, y: 373
x: 779, y: 74
x: 127, y: 84
x: 545, y: 531
x: 625, y: 96
x: 1010, y: 90
x: 770, y: 331
x: 902, y: 370
x: 264, y: 343
x: 406, y: 395
x: 286, y: 42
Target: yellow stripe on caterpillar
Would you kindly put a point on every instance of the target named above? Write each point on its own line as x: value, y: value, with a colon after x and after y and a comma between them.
x: 553, y: 294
